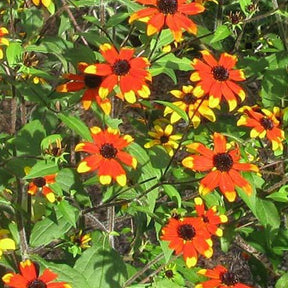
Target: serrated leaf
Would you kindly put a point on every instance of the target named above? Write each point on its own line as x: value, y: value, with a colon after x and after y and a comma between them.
x: 221, y: 33
x: 42, y: 168
x: 69, y: 212
x: 14, y: 53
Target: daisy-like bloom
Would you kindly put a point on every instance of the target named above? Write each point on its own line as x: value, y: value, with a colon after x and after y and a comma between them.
x: 90, y: 83
x: 163, y: 136
x: 170, y: 13
x: 263, y: 123
x: 223, y: 166
x: 122, y: 69
x: 210, y: 217
x: 107, y: 155
x: 81, y: 240
x: 45, y: 3
x: 29, y: 278
x: 220, y: 277
x: 42, y: 184
x: 5, y: 242
x: 193, y: 106
x: 188, y: 235
x: 3, y: 41
x: 217, y: 79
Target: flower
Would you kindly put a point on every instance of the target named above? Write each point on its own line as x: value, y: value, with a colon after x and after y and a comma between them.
x: 45, y: 3
x: 43, y: 184
x: 263, y: 123
x: 107, y: 155
x: 81, y: 240
x: 172, y: 13
x: 223, y: 165
x: 195, y: 107
x: 29, y: 278
x: 209, y: 217
x: 217, y: 79
x: 90, y: 83
x: 5, y: 242
x: 3, y: 41
x: 220, y: 277
x: 188, y: 235
x: 124, y: 70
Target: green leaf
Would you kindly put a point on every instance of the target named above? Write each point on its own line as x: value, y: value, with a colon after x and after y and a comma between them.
x: 281, y: 195
x: 156, y: 70
x: 174, y: 62
x: 179, y: 111
x: 69, y: 212
x: 14, y: 53
x: 282, y: 282
x: 102, y: 268
x: 173, y: 194
x: 116, y: 19
x: 77, y: 125
x: 221, y: 33
x: 42, y: 168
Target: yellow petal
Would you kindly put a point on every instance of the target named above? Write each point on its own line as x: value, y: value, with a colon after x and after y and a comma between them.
x: 7, y: 244
x: 50, y: 197
x: 83, y: 167
x: 121, y: 180
x: 105, y: 179
x: 191, y: 261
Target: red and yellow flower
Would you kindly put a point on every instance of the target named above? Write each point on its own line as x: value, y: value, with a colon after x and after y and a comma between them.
x: 188, y: 236
x: 224, y: 167
x: 170, y: 13
x: 220, y: 277
x: 122, y: 69
x: 217, y: 79
x: 3, y: 41
x: 43, y: 184
x: 81, y: 240
x: 6, y: 243
x: 90, y: 83
x: 107, y: 155
x: 29, y: 278
x: 263, y: 123
x: 45, y: 3
x: 210, y: 217
x: 193, y: 106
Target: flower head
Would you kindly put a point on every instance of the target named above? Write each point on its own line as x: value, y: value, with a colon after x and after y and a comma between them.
x: 220, y: 277
x: 45, y: 3
x: 43, y: 184
x: 263, y: 123
x: 3, y: 41
x: 210, y: 217
x: 81, y: 240
x: 217, y: 79
x: 90, y: 83
x: 195, y: 107
x: 223, y: 166
x: 170, y: 13
x: 5, y: 242
x: 188, y: 235
x: 107, y: 155
x: 29, y: 278
x: 122, y: 69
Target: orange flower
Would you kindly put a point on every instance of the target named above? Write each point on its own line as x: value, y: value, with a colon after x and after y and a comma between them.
x: 209, y: 217
x: 45, y: 3
x: 263, y: 123
x: 188, y: 235
x: 42, y: 183
x: 29, y: 278
x: 3, y: 41
x: 107, y: 155
x: 124, y: 70
x: 217, y: 79
x: 223, y: 165
x: 89, y: 82
x: 220, y: 277
x: 172, y: 13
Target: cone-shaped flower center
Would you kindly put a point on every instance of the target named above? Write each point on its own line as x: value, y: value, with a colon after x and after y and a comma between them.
x: 167, y: 6
x: 186, y: 232
x: 267, y: 123
x: 121, y: 67
x: 164, y: 139
x: 220, y: 73
x: 92, y: 81
x: 169, y: 274
x: 223, y: 162
x: 36, y: 284
x: 229, y: 278
x: 189, y: 99
x: 108, y: 151
x: 39, y: 182
x: 205, y: 219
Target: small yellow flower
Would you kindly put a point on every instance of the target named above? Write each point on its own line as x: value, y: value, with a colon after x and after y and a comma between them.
x: 5, y: 242
x: 81, y: 240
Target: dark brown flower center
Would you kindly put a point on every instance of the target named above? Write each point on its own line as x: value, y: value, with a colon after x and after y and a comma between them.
x: 167, y: 6
x: 189, y: 99
x: 169, y: 274
x: 267, y: 123
x: 36, y: 284
x: 108, y: 151
x: 164, y: 139
x: 220, y: 73
x: 228, y: 278
x: 186, y: 232
x: 92, y: 81
x: 223, y: 162
x: 39, y: 182
x: 205, y: 219
x: 121, y: 67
